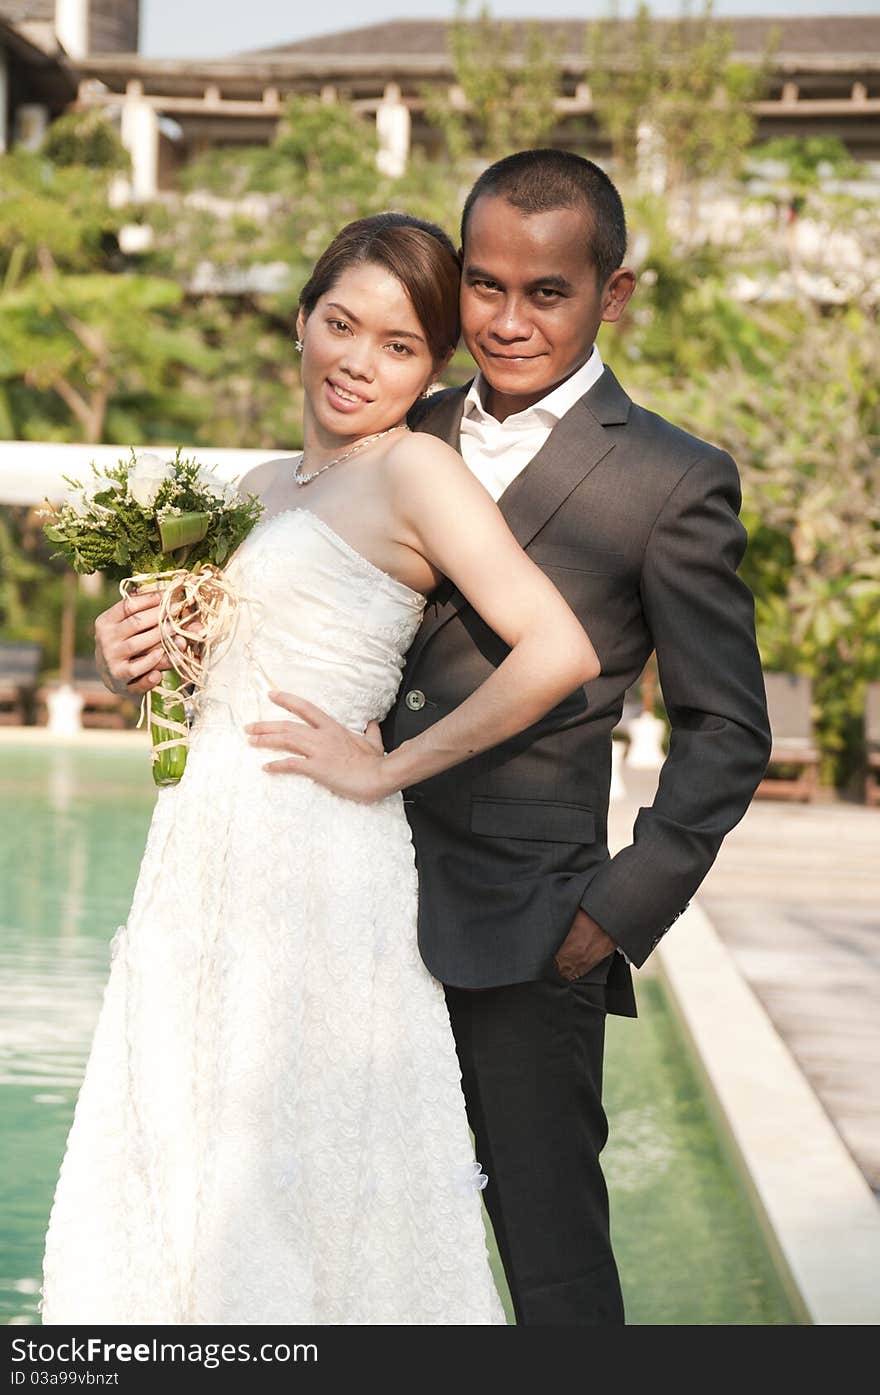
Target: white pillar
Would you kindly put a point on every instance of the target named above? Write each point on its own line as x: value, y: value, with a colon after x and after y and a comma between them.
x: 140, y: 136
x: 650, y: 158
x: 65, y: 707
x: 393, y: 129
x: 4, y: 98
x: 618, y: 788
x: 646, y: 733
x: 31, y: 124
x: 72, y: 26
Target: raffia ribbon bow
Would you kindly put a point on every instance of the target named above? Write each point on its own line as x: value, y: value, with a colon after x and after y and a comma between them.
x: 203, y: 594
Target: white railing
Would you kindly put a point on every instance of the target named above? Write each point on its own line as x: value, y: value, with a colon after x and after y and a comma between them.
x: 31, y: 471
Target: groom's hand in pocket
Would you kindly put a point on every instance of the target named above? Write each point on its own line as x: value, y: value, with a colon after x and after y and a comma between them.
x: 585, y: 946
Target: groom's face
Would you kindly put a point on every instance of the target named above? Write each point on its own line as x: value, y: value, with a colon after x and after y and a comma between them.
x: 531, y: 302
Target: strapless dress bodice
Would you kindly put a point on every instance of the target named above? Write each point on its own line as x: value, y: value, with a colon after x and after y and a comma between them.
x: 314, y: 618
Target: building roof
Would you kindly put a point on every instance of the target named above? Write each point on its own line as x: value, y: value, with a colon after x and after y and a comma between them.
x: 823, y: 51
x: 50, y: 75
x: 23, y: 11
x: 816, y: 36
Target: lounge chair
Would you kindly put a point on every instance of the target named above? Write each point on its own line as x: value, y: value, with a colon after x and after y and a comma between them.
x: 101, y: 708
x: 872, y: 743
x: 794, y: 750
x: 19, y: 669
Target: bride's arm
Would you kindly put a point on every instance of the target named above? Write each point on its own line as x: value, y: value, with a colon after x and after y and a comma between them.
x: 458, y: 527
x: 447, y: 516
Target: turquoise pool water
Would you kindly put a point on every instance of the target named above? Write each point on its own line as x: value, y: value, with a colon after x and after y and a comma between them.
x: 72, y: 827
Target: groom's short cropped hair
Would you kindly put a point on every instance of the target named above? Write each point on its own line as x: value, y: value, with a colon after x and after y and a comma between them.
x: 537, y: 181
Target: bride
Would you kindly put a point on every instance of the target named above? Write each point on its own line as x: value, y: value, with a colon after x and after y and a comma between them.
x: 271, y: 1127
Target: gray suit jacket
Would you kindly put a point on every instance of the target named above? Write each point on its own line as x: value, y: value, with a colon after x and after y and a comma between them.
x: 635, y: 521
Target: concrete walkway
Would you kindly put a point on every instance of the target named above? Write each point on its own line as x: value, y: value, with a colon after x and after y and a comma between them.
x: 795, y: 897
x: 774, y: 975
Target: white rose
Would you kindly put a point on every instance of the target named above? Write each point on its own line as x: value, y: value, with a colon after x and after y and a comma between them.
x: 209, y: 482
x: 96, y: 484
x: 147, y: 478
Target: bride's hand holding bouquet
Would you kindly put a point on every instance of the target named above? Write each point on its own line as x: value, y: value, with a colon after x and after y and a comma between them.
x: 167, y: 526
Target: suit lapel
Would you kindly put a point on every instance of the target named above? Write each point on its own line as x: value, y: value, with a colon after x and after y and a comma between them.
x: 574, y: 447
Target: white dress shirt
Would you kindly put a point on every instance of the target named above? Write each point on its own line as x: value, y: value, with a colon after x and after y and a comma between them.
x: 496, y: 451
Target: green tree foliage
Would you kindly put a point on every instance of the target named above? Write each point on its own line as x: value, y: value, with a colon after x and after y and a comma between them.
x: 88, y: 350
x: 803, y: 178
x: 807, y: 162
x: 193, y: 342
x: 678, y: 78
x: 792, y: 392
x: 32, y: 589
x: 85, y: 138
x: 282, y: 202
x: 808, y: 442
x: 96, y: 341
x: 683, y: 323
x: 252, y: 396
x: 59, y: 212
x: 508, y: 87
x: 74, y: 322
x: 20, y: 571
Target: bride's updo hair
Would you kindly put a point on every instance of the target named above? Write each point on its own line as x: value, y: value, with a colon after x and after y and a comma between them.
x: 417, y: 253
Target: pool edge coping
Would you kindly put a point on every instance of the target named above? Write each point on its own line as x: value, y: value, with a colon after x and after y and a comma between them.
x: 821, y: 1219
x: 88, y: 737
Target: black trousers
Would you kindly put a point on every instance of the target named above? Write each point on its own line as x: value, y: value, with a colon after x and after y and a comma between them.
x: 531, y: 1060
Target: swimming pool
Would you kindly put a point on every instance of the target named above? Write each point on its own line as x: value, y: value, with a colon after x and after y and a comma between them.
x: 72, y: 828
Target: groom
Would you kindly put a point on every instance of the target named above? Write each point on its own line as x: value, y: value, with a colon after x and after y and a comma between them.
x: 523, y: 915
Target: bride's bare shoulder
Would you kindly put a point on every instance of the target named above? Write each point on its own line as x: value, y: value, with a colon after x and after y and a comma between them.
x: 264, y: 475
x: 418, y: 452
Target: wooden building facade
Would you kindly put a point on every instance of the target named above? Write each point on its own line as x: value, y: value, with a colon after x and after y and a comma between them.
x: 824, y: 80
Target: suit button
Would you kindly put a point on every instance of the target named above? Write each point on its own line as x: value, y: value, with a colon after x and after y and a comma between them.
x: 415, y: 700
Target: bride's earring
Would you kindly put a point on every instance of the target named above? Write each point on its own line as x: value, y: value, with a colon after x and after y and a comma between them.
x: 298, y: 345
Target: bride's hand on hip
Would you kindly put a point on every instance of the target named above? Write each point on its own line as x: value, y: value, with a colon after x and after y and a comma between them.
x: 346, y: 762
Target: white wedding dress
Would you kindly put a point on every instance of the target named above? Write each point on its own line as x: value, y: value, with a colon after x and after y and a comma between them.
x: 271, y: 1127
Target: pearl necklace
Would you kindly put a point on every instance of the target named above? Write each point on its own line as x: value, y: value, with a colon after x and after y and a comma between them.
x: 300, y: 478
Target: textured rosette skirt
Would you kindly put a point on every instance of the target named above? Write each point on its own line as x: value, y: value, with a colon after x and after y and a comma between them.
x: 271, y: 1127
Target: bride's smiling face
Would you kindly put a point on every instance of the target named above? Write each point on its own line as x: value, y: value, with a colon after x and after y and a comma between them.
x: 365, y: 355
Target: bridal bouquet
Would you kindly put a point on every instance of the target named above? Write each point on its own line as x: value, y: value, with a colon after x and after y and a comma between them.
x: 170, y: 525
